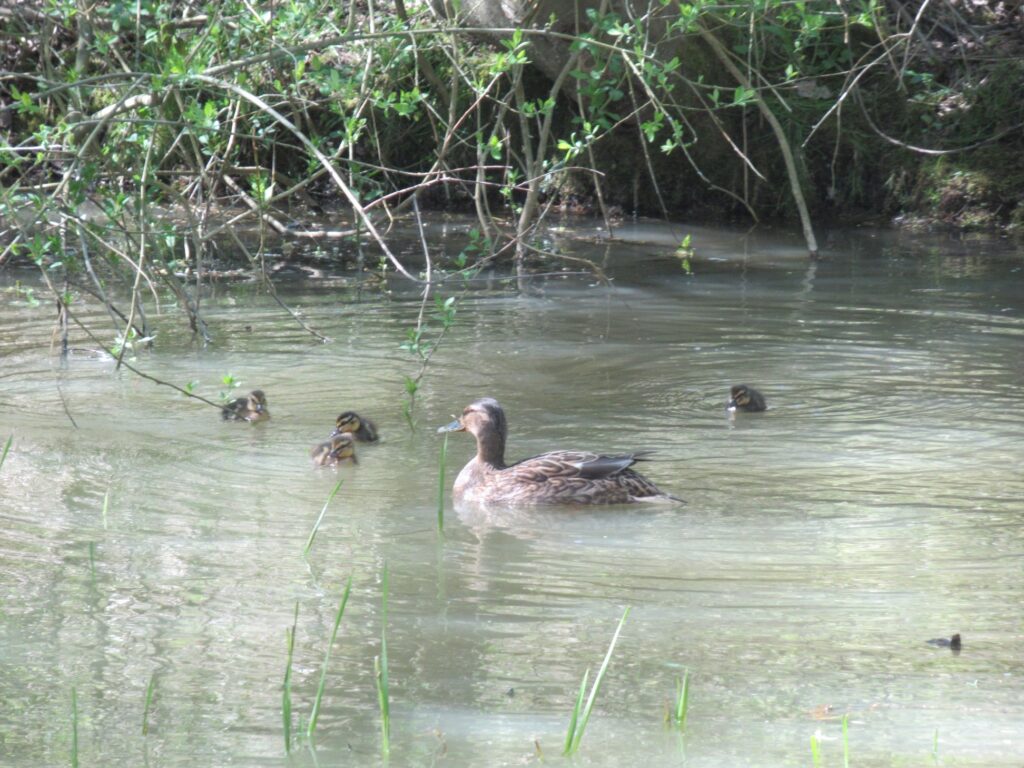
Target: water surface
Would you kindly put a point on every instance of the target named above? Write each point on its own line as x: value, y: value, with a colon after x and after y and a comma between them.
x: 875, y: 505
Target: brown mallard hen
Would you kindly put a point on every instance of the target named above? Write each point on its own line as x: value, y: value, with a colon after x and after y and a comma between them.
x: 252, y: 407
x: 558, y: 477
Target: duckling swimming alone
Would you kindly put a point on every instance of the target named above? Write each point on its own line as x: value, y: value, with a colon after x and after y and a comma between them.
x: 558, y: 477
x: 252, y: 407
x: 352, y: 423
x: 337, y: 449
x: 743, y: 398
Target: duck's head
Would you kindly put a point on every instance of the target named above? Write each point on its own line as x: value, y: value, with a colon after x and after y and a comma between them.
x: 481, y: 417
x: 348, y: 422
x: 257, y: 401
x: 739, y: 397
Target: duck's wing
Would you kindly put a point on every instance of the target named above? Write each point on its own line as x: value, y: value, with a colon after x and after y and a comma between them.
x: 565, y: 464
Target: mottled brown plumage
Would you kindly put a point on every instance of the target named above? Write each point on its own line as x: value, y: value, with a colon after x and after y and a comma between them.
x: 360, y: 428
x: 558, y: 477
x: 337, y: 449
x: 744, y: 398
x: 252, y: 407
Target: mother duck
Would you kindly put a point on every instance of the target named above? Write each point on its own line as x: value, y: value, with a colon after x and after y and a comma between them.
x: 558, y: 477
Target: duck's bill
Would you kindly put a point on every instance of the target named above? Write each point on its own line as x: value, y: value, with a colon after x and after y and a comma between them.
x: 731, y: 406
x: 455, y: 426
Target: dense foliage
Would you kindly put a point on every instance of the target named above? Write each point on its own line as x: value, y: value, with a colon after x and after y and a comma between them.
x: 114, y: 113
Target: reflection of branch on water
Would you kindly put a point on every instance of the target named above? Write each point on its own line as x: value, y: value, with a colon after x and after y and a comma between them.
x: 272, y: 289
x: 135, y: 370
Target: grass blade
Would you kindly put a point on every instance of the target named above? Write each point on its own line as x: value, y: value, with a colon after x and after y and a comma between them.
x: 315, y: 714
x: 320, y: 519
x: 380, y: 664
x: 74, y: 728
x: 815, y: 752
x: 571, y: 733
x: 582, y: 725
x: 441, y: 483
x: 150, y: 689
x: 7, y: 447
x: 682, y: 700
x: 286, y: 689
x: 846, y: 742
x: 106, y: 506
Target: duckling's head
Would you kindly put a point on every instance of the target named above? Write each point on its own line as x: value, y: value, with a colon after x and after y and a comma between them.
x: 349, y: 421
x: 483, y: 417
x: 257, y: 401
x: 743, y: 398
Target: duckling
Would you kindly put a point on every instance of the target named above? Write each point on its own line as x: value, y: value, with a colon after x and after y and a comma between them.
x: 953, y: 643
x: 363, y: 430
x: 253, y: 407
x: 743, y: 398
x: 335, y: 450
x: 559, y: 477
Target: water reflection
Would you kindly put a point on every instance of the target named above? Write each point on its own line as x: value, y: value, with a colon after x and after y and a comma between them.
x: 874, y: 506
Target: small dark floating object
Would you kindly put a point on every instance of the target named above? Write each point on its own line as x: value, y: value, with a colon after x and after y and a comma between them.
x: 743, y: 398
x: 252, y: 407
x: 337, y: 449
x: 360, y: 428
x: 953, y: 643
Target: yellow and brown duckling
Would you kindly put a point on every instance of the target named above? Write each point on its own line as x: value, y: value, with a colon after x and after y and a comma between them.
x: 559, y: 477
x: 252, y: 407
x: 340, y: 447
x: 744, y: 398
x: 360, y: 428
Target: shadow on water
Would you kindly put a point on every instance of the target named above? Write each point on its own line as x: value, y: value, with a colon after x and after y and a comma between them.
x: 872, y: 507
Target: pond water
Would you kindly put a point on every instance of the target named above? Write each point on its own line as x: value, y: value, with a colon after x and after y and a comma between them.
x: 875, y: 505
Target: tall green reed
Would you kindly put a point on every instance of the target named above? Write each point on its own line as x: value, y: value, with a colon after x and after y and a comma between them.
x: 682, y: 701
x: 320, y: 518
x: 7, y: 447
x: 846, y: 741
x: 74, y: 727
x: 441, y: 483
x: 578, y: 721
x: 106, y: 506
x: 315, y: 714
x: 150, y: 690
x: 380, y: 667
x: 286, y: 689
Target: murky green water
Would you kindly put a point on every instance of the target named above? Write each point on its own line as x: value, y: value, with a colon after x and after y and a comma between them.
x: 877, y: 504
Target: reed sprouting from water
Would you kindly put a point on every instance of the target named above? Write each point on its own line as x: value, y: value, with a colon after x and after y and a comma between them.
x: 150, y: 689
x: 578, y: 720
x: 74, y: 728
x: 7, y: 447
x: 815, y: 751
x: 286, y: 689
x: 380, y: 667
x: 846, y: 742
x: 106, y: 506
x: 682, y: 701
x: 315, y: 714
x: 320, y: 519
x: 441, y: 483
